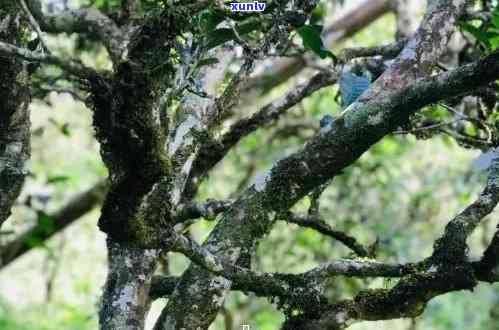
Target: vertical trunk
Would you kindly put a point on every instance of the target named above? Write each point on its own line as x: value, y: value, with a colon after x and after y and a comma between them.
x: 125, y: 300
x: 131, y: 142
x: 14, y: 114
x: 128, y: 113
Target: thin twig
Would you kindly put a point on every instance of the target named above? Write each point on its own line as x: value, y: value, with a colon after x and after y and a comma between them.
x: 428, y: 127
x: 34, y: 24
x: 318, y: 224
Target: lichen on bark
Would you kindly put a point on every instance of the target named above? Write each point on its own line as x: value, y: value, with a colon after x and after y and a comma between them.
x: 126, y: 301
x: 14, y: 111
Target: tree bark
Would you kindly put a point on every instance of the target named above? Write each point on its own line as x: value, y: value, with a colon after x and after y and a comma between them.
x: 125, y: 300
x: 199, y: 295
x: 14, y: 112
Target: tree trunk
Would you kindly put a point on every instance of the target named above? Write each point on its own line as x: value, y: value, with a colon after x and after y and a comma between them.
x: 125, y: 300
x: 14, y: 113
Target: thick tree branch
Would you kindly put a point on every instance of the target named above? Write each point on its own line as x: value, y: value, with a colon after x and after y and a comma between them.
x: 163, y: 286
x: 213, y: 152
x: 446, y: 270
x: 387, y: 104
x: 297, y: 290
x: 69, y: 213
x: 488, y: 267
x: 416, y: 95
x: 407, y: 298
x: 90, y: 21
x: 194, y: 210
x: 451, y: 247
x: 387, y: 51
x: 71, y: 66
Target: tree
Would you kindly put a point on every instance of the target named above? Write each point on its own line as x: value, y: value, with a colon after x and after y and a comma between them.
x: 160, y: 124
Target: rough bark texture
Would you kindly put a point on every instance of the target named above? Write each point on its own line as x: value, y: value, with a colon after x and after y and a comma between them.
x: 126, y: 294
x: 90, y: 21
x: 158, y: 127
x: 199, y: 295
x: 14, y: 113
x: 127, y: 120
x: 128, y: 126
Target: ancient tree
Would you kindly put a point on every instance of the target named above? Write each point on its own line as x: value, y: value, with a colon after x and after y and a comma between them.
x: 162, y: 127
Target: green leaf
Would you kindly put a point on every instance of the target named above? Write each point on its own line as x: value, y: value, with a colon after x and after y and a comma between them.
x: 318, y: 28
x: 492, y: 33
x: 46, y: 223
x: 494, y: 43
x: 311, y: 38
x: 58, y: 178
x: 480, y: 35
x: 65, y: 129
x: 495, y: 19
x: 222, y: 35
x: 208, y: 21
x: 318, y: 14
x: 34, y: 241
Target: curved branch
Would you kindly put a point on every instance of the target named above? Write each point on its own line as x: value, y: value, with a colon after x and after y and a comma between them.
x: 322, y: 227
x: 213, y: 152
x: 73, y: 210
x: 386, y: 105
x: 71, y: 66
x: 298, y: 290
x: 451, y: 247
x: 408, y: 298
x: 445, y: 271
x: 90, y: 21
x: 387, y: 51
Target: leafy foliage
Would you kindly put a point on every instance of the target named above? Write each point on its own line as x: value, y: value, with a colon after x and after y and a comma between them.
x: 485, y: 33
x: 311, y: 37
